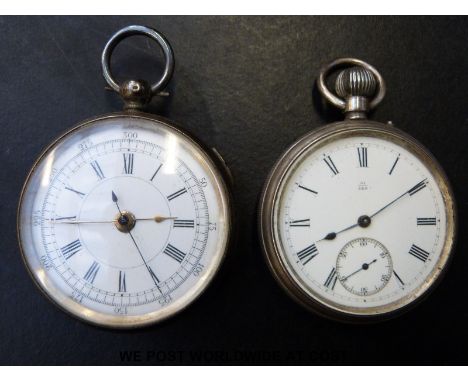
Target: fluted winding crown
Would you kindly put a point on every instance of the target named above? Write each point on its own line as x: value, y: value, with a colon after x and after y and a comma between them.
x: 355, y: 81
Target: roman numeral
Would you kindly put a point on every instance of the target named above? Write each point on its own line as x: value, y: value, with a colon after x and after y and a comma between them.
x: 399, y: 278
x: 176, y: 194
x: 128, y: 163
x: 394, y: 164
x: 307, y: 254
x: 362, y: 154
x: 331, y: 165
x: 331, y: 279
x: 307, y: 189
x: 417, y: 188
x: 175, y: 253
x: 184, y: 223
x: 419, y: 253
x: 156, y: 172
x: 426, y: 221
x: 79, y: 193
x: 92, y: 272
x: 300, y: 223
x: 122, y: 283
x: 153, y: 276
x: 70, y: 249
x: 97, y: 169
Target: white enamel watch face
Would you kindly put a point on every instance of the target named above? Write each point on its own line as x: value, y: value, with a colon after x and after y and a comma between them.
x: 124, y: 221
x: 361, y: 223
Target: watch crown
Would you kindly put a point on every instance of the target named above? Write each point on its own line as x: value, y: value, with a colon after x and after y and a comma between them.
x: 355, y: 82
x: 356, y: 85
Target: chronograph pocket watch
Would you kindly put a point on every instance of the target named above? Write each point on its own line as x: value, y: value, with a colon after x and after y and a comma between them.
x: 125, y: 219
x: 357, y: 219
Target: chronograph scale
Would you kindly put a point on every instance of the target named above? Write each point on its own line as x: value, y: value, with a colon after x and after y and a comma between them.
x: 130, y: 120
x: 125, y: 219
x: 350, y: 184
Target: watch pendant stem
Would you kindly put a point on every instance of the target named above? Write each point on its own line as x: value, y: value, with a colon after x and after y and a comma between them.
x: 356, y: 85
x: 136, y: 94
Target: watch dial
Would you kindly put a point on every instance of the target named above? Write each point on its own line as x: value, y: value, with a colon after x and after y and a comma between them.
x: 361, y: 224
x: 124, y: 221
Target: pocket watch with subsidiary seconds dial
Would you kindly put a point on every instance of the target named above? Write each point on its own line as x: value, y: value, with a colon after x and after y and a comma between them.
x: 357, y: 218
x: 125, y: 219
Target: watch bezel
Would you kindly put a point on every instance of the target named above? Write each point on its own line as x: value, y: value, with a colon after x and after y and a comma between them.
x: 223, y: 182
x: 272, y: 247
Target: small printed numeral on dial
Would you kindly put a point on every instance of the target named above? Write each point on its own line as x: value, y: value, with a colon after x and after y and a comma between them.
x: 307, y: 189
x: 156, y: 172
x: 362, y: 154
x: 419, y: 253
x: 330, y: 282
x: 122, y: 282
x: 398, y: 278
x: 307, y: 254
x: 79, y: 193
x: 417, y: 188
x: 175, y: 253
x: 300, y: 223
x: 331, y: 165
x: 426, y: 221
x: 153, y: 276
x: 394, y: 164
x: 70, y: 249
x: 184, y: 223
x: 90, y: 275
x: 97, y: 169
x: 176, y: 194
x: 128, y: 163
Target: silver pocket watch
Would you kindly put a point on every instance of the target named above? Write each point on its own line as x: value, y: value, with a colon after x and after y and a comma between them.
x: 357, y: 219
x: 124, y: 220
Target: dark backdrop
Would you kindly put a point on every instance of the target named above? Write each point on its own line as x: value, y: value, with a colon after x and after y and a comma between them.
x: 246, y: 86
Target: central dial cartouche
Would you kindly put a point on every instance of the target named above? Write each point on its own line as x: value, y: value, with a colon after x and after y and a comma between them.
x: 112, y: 238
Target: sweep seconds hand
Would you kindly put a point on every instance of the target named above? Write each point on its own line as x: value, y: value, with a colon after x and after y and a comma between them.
x: 116, y: 201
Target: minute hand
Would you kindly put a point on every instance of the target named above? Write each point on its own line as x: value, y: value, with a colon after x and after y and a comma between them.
x: 410, y: 192
x: 157, y: 219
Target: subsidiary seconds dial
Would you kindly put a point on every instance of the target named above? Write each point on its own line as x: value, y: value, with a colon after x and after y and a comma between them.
x: 362, y: 222
x: 357, y: 218
x: 124, y: 221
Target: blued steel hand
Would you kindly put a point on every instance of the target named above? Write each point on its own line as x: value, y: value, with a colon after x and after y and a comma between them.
x: 412, y: 190
x: 116, y: 201
x: 364, y: 266
x: 332, y: 235
x: 157, y: 219
x: 364, y: 220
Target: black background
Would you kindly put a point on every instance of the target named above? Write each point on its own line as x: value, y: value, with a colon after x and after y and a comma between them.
x: 246, y: 86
